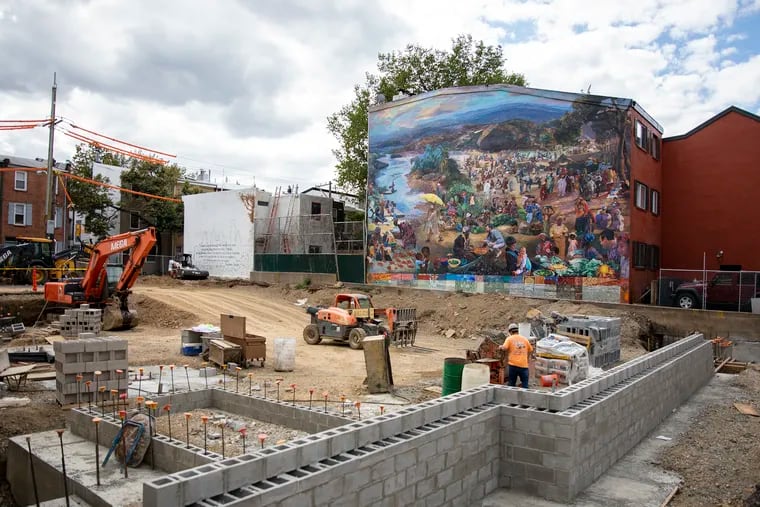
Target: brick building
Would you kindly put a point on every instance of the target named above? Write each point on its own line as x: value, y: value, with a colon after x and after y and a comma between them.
x: 23, y: 184
x: 710, y: 182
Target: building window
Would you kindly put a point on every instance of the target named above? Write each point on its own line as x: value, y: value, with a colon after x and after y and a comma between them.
x: 315, y: 249
x: 654, y: 257
x: 640, y: 255
x: 654, y: 202
x: 19, y: 214
x: 642, y: 136
x: 641, y: 195
x: 58, y: 217
x: 20, y: 181
x: 316, y: 208
x: 134, y: 220
x: 654, y: 147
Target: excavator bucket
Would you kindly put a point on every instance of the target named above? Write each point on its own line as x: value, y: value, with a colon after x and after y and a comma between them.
x: 403, y: 325
x: 114, y: 318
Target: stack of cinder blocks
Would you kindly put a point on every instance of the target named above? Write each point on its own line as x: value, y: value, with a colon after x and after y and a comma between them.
x: 84, y: 357
x: 80, y: 320
x: 604, y: 333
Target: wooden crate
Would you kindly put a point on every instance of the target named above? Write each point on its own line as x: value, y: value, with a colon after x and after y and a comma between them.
x: 232, y: 325
x: 222, y: 352
x: 254, y: 347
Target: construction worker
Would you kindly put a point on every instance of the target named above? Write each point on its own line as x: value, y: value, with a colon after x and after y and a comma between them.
x: 519, y: 350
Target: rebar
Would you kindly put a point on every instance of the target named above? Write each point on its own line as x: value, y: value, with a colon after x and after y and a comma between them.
x: 205, y: 373
x: 31, y: 466
x: 97, y: 420
x: 224, y: 377
x: 168, y: 409
x: 149, y: 405
x: 102, y: 391
x: 187, y: 376
x: 123, y: 417
x: 89, y: 396
x: 63, y: 467
x: 160, y: 377
x: 187, y: 428
x: 311, y: 395
x: 222, y: 424
x: 139, y: 382
x: 325, y: 394
x: 293, y: 387
x: 242, y: 434
x: 237, y: 378
x: 250, y: 384
x: 204, y: 419
x: 171, y: 371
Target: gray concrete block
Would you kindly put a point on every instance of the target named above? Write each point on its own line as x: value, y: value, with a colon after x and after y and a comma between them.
x: 324, y: 494
x: 68, y: 346
x: 161, y: 492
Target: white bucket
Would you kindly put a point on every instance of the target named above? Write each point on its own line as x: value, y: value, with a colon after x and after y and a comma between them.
x: 474, y: 375
x: 525, y: 329
x: 284, y: 354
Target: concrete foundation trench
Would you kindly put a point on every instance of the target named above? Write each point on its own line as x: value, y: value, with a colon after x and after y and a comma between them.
x: 454, y: 450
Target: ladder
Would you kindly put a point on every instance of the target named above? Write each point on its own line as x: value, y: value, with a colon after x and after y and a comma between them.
x: 272, y: 219
x: 288, y: 221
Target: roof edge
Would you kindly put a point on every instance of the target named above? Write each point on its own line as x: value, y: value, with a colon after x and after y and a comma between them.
x: 707, y: 123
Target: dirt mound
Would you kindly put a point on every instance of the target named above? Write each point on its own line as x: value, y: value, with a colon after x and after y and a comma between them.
x: 154, y: 313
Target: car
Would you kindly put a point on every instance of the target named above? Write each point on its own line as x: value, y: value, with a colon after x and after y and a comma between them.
x: 732, y: 290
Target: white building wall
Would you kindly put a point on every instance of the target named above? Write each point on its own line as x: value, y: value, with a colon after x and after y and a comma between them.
x: 219, y: 234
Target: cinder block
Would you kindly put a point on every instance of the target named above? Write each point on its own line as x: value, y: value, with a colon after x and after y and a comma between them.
x: 122, y: 364
x: 68, y: 346
x: 243, y: 472
x: 95, y: 345
x: 96, y: 366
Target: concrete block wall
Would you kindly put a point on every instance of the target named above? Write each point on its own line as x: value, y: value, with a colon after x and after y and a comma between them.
x: 453, y: 461
x: 80, y: 320
x: 85, y: 357
x: 171, y: 456
x: 283, y: 412
x: 609, y: 424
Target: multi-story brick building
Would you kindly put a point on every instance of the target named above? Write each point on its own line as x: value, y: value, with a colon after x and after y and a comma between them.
x: 23, y: 194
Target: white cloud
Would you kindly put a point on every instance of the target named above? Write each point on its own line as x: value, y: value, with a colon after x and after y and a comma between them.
x: 244, y: 87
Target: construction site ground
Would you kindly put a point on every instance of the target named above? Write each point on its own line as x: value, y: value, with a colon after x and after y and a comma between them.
x: 716, y: 455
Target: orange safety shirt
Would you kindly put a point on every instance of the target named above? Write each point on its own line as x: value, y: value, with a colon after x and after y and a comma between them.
x: 519, y: 348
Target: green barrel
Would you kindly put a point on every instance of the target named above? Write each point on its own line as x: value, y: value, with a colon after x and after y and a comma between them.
x: 452, y: 375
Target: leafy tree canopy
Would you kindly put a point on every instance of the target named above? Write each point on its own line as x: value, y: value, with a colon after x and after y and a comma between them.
x: 90, y: 200
x: 414, y: 70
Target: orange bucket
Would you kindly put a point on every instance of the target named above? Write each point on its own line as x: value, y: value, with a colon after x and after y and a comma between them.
x: 549, y: 380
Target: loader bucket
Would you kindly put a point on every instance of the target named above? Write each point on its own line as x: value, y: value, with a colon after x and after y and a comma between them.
x: 403, y: 324
x: 114, y: 318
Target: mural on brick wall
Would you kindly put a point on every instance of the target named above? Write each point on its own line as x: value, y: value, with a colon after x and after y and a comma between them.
x: 487, y: 190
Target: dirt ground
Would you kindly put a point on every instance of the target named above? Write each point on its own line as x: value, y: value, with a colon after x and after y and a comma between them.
x: 719, y: 456
x: 450, y: 324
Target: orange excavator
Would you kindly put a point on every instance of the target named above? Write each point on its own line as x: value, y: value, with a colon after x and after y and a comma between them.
x: 94, y: 288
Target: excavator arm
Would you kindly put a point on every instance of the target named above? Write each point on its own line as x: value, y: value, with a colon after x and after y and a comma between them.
x: 93, y: 288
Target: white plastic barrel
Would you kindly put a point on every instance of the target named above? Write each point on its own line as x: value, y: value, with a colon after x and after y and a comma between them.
x: 284, y: 354
x: 474, y: 375
x: 524, y: 329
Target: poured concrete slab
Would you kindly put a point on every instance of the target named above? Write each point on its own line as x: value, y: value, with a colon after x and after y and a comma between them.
x: 80, y: 470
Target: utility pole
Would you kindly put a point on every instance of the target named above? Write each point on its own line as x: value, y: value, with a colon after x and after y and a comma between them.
x: 49, y: 215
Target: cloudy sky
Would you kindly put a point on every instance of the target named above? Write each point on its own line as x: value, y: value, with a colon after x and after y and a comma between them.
x: 243, y: 87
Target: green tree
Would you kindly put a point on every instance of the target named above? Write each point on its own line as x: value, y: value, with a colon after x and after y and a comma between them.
x: 414, y: 70
x: 156, y: 180
x: 92, y: 201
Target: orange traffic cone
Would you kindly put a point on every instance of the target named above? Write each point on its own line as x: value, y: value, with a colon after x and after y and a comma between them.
x: 34, y: 279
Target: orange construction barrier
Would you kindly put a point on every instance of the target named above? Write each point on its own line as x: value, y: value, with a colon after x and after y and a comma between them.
x: 34, y: 279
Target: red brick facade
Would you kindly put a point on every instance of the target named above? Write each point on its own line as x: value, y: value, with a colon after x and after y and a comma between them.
x: 22, y: 206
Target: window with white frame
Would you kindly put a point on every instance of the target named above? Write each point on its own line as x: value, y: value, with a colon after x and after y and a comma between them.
x: 654, y: 202
x: 654, y: 147
x: 19, y: 183
x: 641, y: 133
x: 641, y: 195
x: 19, y: 213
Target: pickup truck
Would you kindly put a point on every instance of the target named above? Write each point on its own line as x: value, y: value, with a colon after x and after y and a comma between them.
x: 731, y: 290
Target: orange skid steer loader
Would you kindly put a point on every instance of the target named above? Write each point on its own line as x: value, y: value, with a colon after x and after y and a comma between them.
x: 353, y: 316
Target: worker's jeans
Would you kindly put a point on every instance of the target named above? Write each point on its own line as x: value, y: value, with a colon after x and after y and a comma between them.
x: 516, y: 371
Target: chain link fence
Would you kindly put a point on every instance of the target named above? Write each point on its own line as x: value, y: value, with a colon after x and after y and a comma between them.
x: 709, y: 290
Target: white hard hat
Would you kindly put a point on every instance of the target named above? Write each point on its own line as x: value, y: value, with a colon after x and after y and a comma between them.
x: 513, y: 327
